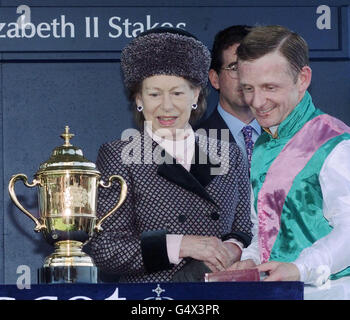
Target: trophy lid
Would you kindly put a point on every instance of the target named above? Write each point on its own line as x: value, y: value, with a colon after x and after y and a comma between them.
x: 66, y: 157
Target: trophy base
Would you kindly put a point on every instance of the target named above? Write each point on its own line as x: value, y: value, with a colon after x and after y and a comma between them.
x: 68, y: 264
x: 67, y: 274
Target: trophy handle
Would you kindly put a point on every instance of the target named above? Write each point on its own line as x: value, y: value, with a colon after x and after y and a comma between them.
x: 122, y: 197
x: 38, y: 226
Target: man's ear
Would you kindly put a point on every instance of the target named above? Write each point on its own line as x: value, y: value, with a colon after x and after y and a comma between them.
x: 304, y: 78
x: 214, y: 79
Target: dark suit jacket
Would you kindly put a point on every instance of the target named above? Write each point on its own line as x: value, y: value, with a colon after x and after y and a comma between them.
x: 215, y: 121
x: 164, y: 198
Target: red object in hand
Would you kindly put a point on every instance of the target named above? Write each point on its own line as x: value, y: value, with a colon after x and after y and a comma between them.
x: 233, y: 275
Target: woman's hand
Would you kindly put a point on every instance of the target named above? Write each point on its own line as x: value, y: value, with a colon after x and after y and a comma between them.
x: 216, y: 254
x: 235, y: 252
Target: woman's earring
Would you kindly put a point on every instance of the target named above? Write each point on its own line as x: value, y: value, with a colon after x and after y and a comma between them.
x: 194, y: 106
x: 139, y: 108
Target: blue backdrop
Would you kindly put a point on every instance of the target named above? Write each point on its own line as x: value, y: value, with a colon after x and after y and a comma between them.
x: 64, y: 70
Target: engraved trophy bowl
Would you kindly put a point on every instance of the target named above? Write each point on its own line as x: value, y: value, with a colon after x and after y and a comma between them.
x: 67, y: 196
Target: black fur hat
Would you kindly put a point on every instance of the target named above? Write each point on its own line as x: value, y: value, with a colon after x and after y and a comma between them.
x: 165, y: 51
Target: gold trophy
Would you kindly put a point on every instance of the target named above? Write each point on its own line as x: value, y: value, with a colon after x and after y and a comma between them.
x: 68, y: 185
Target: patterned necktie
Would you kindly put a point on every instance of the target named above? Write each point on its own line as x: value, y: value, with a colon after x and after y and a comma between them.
x: 249, y: 144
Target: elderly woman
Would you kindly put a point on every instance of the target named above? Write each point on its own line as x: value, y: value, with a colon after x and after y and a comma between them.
x: 186, y: 201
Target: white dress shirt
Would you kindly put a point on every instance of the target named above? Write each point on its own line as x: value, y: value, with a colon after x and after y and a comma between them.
x: 235, y: 125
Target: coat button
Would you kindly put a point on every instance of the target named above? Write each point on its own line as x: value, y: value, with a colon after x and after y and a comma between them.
x: 215, y: 216
x: 182, y: 218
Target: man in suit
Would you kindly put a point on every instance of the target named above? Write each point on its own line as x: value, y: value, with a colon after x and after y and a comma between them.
x: 231, y: 112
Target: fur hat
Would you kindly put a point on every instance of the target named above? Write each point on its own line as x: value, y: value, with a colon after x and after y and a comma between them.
x: 165, y: 51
